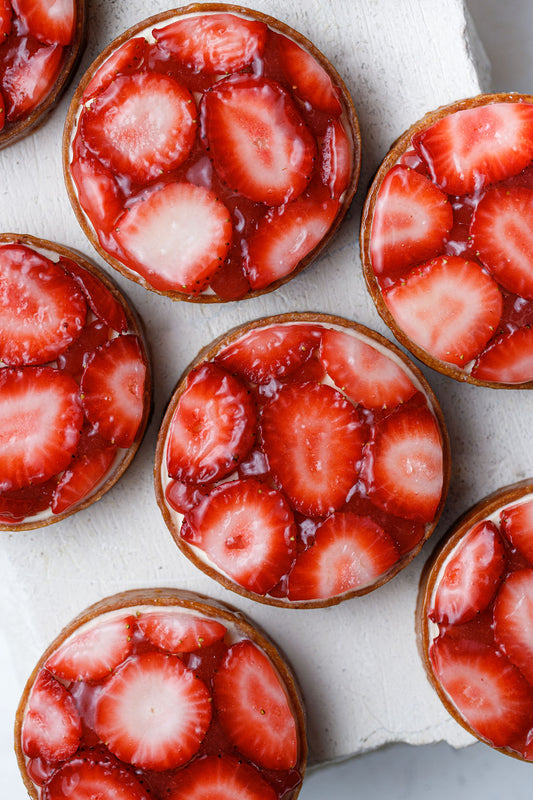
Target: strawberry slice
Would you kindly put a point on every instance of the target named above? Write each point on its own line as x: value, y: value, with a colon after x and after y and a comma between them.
x: 307, y: 78
x: 19, y: 504
x: 99, y: 194
x: 40, y: 424
x: 517, y: 526
x: 113, y: 389
x: 6, y: 19
x: 101, y: 300
x: 412, y: 220
x: 336, y: 158
x: 141, y: 125
x: 93, y: 779
x: 176, y: 237
x: 179, y: 632
x: 51, y: 729
x: 509, y: 359
x: 313, y: 439
x: 220, y: 777
x: 153, y: 712
x: 489, y: 692
x: 363, y: 372
x: 214, y: 43
x: 42, y: 310
x: 27, y: 76
x: 129, y: 58
x: 257, y: 140
x: 513, y: 620
x: 449, y: 306
x: 252, y: 705
x: 247, y: 530
x: 472, y: 148
x: 213, y: 427
x: 50, y: 21
x: 349, y: 552
x: 182, y: 497
x: 403, y: 468
x: 471, y: 577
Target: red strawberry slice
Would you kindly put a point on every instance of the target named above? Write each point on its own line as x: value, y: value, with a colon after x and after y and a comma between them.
x: 259, y: 144
x: 176, y: 237
x: 94, y: 653
x: 248, y: 532
x: 6, y: 19
x: 40, y: 424
x: 252, y: 705
x: 153, y: 712
x: 313, y: 439
x: 18, y: 505
x: 91, y: 779
x: 52, y: 728
x: 468, y: 150
x: 513, y: 620
x: 113, y: 389
x: 490, y: 693
x: 363, y: 372
x: 403, y: 469
x: 220, y: 777
x: 74, y: 359
x: 509, y: 359
x: 412, y: 220
x: 471, y: 577
x: 336, y: 158
x: 517, y: 526
x: 98, y: 192
x: 141, y: 125
x: 129, y: 58
x: 50, y: 21
x: 450, y: 307
x: 214, y: 43
x: 213, y: 427
x: 101, y: 300
x: 42, y: 310
x: 27, y: 76
x: 307, y: 78
x: 349, y: 553
x: 182, y: 497
x: 179, y: 632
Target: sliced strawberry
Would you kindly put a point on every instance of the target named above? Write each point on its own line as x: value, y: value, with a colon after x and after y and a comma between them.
x: 214, y: 43
x: 176, y: 237
x: 90, y: 779
x: 19, y: 504
x: 40, y: 424
x: 412, y: 220
x: 101, y: 300
x: 270, y: 353
x: 449, y: 306
x: 471, y: 577
x: 336, y: 158
x: 50, y: 21
x: 259, y: 144
x: 517, y: 526
x: 468, y: 150
x: 307, y: 78
x: 6, y: 19
x: 98, y: 192
x: 27, y: 76
x: 141, y: 125
x: 220, y: 777
x: 363, y: 372
x: 179, y: 632
x: 403, y: 469
x: 182, y: 497
x: 349, y: 553
x: 129, y: 58
x: 213, y: 427
x: 113, y: 389
x: 52, y: 728
x: 252, y: 705
x: 153, y: 712
x: 313, y: 439
x: 85, y: 472
x: 489, y: 692
x: 248, y: 532
x: 509, y: 359
x: 74, y: 359
x: 513, y: 620
x: 42, y: 310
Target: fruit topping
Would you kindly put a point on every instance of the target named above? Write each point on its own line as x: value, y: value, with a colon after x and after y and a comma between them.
x: 124, y: 61
x: 50, y: 21
x: 517, y: 525
x: 99, y: 193
x: 86, y: 471
x: 179, y: 633
x: 335, y: 159
x: 6, y: 19
x: 93, y: 779
x: 220, y: 777
x: 508, y: 359
x: 100, y: 298
x: 52, y: 726
x: 27, y: 76
x: 308, y: 79
x: 513, y: 620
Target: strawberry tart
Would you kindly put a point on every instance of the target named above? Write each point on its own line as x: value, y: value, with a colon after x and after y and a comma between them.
x: 74, y: 383
x: 447, y: 242
x: 210, y: 153
x: 161, y: 695
x: 302, y: 460
x: 40, y: 46
x: 475, y: 621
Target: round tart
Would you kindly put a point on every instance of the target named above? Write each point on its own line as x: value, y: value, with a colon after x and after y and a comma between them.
x: 161, y: 695
x: 446, y: 240
x: 302, y: 460
x: 41, y: 43
x: 475, y: 620
x: 74, y: 383
x: 210, y: 153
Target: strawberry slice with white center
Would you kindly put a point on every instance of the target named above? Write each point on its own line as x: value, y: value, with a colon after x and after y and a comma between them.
x: 112, y: 389
x: 449, y: 306
x: 248, y: 532
x: 179, y: 632
x: 141, y: 125
x: 472, y: 148
x: 40, y: 424
x: 490, y: 693
x: 52, y: 728
x: 336, y: 158
x: 176, y: 237
x: 517, y: 526
x: 412, y: 220
x: 27, y: 76
x: 100, y: 298
x: 307, y: 78
x: 363, y: 372
x: 213, y: 427
x: 98, y: 191
x: 509, y: 359
x: 50, y: 21
x: 42, y: 309
x: 86, y: 779
x: 257, y: 140
x: 214, y: 43
x: 129, y: 58
x: 153, y: 712
x: 220, y: 778
x: 313, y: 439
x: 349, y: 553
x: 253, y: 707
x: 403, y: 469
x: 513, y: 620
x: 471, y: 577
